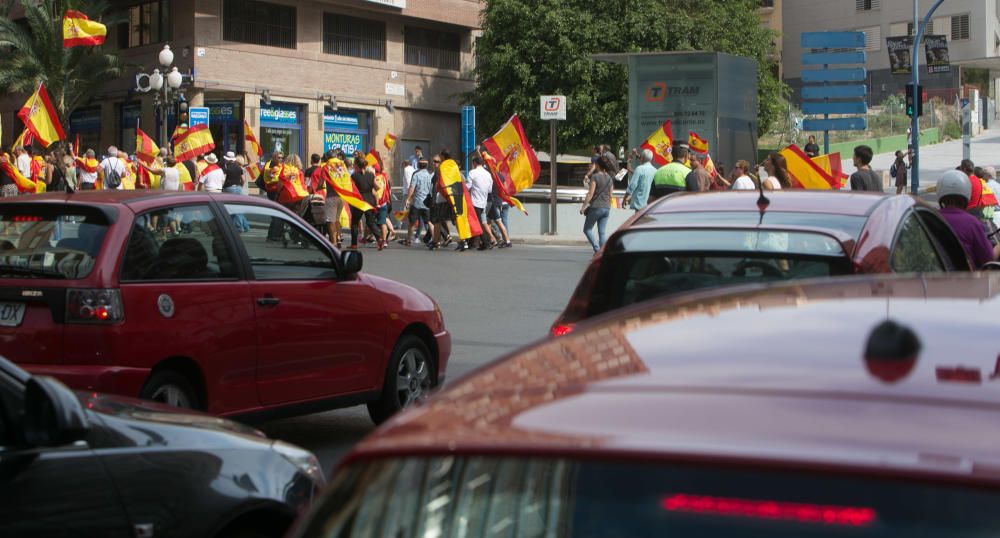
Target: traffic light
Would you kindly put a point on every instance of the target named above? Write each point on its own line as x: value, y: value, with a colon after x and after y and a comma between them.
x: 919, y: 105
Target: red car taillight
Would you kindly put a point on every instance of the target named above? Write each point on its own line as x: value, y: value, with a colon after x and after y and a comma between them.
x: 94, y: 306
x: 563, y: 329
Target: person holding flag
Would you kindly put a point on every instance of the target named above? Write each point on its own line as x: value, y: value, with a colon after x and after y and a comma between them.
x: 87, y: 167
x: 364, y: 182
x: 8, y: 183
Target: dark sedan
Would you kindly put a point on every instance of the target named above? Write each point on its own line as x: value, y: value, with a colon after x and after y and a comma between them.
x: 84, y: 464
x: 688, y: 242
x: 858, y: 407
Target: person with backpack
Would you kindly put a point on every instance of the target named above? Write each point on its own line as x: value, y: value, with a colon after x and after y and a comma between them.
x: 898, y: 172
x: 111, y: 170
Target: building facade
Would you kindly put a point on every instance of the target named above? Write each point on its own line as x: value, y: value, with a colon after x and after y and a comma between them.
x: 770, y: 12
x: 971, y: 27
x: 307, y: 75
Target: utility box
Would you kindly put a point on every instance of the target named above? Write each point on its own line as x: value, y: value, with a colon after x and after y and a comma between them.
x: 710, y: 93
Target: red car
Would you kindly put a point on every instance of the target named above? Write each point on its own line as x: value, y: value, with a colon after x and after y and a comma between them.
x: 857, y: 407
x: 694, y: 241
x: 165, y: 297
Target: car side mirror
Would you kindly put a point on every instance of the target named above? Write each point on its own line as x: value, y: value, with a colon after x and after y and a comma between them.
x: 53, y: 415
x: 991, y: 266
x: 350, y: 263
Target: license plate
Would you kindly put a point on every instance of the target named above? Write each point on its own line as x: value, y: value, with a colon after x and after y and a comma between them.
x: 11, y: 314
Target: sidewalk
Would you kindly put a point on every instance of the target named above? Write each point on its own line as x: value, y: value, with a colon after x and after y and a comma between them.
x: 939, y: 158
x: 565, y: 239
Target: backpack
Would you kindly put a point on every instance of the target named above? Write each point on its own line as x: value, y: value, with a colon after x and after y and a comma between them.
x: 892, y: 171
x: 112, y: 179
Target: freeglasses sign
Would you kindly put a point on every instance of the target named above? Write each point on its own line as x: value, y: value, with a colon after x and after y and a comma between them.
x: 401, y: 4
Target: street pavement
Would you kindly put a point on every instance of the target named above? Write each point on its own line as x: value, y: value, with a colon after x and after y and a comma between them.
x: 493, y: 303
x: 936, y: 159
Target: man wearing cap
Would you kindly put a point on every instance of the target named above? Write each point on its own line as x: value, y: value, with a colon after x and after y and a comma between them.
x: 954, y: 190
x: 672, y: 177
x: 212, y: 177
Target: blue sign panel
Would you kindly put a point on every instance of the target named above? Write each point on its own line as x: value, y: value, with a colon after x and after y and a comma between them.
x: 198, y: 115
x: 833, y: 40
x: 468, y: 128
x: 840, y: 107
x: 835, y: 124
x: 339, y: 121
x: 842, y: 91
x: 853, y: 74
x: 279, y: 115
x: 831, y: 58
x: 224, y: 111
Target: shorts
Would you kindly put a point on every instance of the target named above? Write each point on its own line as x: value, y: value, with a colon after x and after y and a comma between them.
x: 493, y: 212
x: 480, y: 212
x: 442, y: 212
x: 381, y: 214
x: 419, y: 215
x: 332, y: 208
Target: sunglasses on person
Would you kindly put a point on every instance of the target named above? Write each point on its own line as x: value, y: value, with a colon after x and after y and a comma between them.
x: 437, y: 161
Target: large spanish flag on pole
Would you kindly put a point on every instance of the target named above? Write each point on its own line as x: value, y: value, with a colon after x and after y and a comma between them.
x: 501, y: 183
x: 806, y: 173
x: 79, y: 30
x: 252, y: 147
x: 193, y: 142
x: 515, y: 162
x: 39, y: 117
x: 451, y: 185
x: 660, y: 143
x: 339, y: 179
x: 145, y: 149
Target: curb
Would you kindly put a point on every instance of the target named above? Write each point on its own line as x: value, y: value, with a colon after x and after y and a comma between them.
x: 565, y: 241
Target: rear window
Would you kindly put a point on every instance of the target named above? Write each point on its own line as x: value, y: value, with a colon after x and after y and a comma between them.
x: 49, y: 241
x: 508, y: 497
x: 848, y: 224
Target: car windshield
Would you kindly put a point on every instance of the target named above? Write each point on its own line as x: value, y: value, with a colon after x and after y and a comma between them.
x: 483, y: 496
x: 49, y: 241
x: 648, y: 264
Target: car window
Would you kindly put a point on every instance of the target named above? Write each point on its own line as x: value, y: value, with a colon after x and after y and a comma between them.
x: 279, y: 248
x: 951, y: 248
x: 55, y: 241
x: 177, y: 243
x: 465, y: 497
x: 913, y: 251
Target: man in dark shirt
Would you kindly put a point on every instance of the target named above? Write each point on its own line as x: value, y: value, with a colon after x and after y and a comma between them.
x: 811, y: 148
x: 698, y: 180
x: 365, y: 183
x: 865, y: 179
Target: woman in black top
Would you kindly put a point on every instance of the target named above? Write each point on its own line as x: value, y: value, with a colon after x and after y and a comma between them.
x: 365, y: 182
x: 55, y: 172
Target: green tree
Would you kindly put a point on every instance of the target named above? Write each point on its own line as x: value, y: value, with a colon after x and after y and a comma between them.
x: 538, y: 47
x: 31, y: 51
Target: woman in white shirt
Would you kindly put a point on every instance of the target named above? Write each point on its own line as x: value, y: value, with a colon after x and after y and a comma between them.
x: 170, y: 177
x: 777, y: 173
x: 743, y: 182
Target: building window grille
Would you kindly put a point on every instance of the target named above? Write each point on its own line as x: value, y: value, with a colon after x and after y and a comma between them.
x: 431, y: 48
x: 351, y: 36
x: 144, y: 24
x: 866, y: 5
x: 960, y: 27
x: 259, y: 23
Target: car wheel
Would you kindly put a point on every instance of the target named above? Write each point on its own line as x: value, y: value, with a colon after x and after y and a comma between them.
x: 408, y: 379
x: 170, y: 388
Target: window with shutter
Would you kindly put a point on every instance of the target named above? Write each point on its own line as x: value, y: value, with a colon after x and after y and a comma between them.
x: 873, y: 38
x: 960, y: 27
x: 866, y: 5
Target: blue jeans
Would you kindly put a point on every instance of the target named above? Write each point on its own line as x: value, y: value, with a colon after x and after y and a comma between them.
x: 504, y: 211
x: 599, y: 216
x: 239, y: 220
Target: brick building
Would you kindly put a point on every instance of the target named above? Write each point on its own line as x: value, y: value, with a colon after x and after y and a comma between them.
x: 336, y: 72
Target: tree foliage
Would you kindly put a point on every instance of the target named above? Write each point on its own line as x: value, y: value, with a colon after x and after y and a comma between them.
x: 541, y: 47
x: 32, y: 52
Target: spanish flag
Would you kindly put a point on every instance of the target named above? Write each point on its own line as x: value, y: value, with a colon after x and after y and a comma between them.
x: 39, y: 117
x: 194, y: 142
x: 22, y: 140
x: 76, y: 145
x: 390, y: 141
x: 24, y: 184
x: 660, y: 143
x: 830, y: 163
x: 252, y: 147
x: 178, y: 131
x: 338, y: 178
x: 451, y: 185
x: 697, y: 143
x: 806, y: 173
x: 516, y: 160
x: 501, y: 184
x: 374, y: 158
x: 79, y: 30
x: 145, y: 149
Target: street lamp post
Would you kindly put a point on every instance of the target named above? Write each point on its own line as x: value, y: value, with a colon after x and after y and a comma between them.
x: 918, y: 30
x: 163, y: 88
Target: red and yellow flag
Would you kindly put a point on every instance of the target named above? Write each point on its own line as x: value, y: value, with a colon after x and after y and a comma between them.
x: 501, y: 183
x: 145, y: 149
x: 252, y: 147
x: 374, y: 158
x: 830, y: 163
x: 660, y: 143
x: 390, y: 141
x: 24, y: 185
x: 515, y: 158
x: 79, y: 30
x: 806, y: 173
x: 76, y: 145
x: 697, y: 143
x: 194, y: 142
x: 178, y: 131
x: 39, y: 117
x: 22, y: 140
x: 451, y: 185
x: 338, y: 178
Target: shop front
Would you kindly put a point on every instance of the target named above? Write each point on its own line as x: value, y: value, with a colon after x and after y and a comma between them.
x: 226, y: 123
x: 86, y: 123
x: 347, y: 130
x: 281, y: 128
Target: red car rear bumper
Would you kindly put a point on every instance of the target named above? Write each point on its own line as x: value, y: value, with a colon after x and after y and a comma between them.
x: 108, y: 379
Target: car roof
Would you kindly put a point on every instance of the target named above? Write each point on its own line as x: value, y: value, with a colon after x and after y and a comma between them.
x: 801, y: 200
x: 138, y: 199
x: 764, y: 373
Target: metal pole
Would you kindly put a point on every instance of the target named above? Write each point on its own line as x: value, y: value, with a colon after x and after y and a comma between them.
x: 919, y: 26
x: 552, y: 177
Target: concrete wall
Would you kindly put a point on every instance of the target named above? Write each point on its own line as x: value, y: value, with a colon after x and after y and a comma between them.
x: 569, y: 221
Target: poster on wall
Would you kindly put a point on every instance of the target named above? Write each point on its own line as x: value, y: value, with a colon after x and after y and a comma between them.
x: 900, y: 59
x: 936, y: 50
x: 349, y: 142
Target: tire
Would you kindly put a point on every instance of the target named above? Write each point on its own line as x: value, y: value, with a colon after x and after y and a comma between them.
x: 411, y: 364
x: 170, y: 388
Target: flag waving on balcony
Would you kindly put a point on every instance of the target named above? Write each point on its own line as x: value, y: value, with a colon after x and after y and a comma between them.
x: 79, y: 30
x: 660, y: 143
